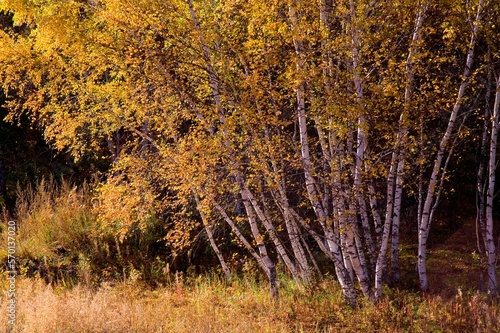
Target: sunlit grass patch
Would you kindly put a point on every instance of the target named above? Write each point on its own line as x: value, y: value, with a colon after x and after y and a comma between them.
x: 202, y: 304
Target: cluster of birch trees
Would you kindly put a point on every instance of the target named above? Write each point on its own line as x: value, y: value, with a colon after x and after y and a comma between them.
x: 298, y: 126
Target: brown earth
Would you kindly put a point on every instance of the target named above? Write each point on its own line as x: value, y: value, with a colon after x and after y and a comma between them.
x: 456, y: 263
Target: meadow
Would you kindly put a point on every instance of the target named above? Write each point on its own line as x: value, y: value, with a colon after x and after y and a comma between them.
x: 208, y: 304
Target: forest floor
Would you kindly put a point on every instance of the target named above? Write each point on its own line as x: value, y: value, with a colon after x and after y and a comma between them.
x: 455, y: 263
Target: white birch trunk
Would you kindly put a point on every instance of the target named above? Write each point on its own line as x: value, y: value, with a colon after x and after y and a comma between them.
x: 294, y: 233
x: 481, y: 182
x: 481, y: 191
x: 262, y: 247
x: 248, y: 197
x: 396, y: 169
x: 358, y: 265
x: 398, y: 195
x: 216, y: 92
x: 424, y: 223
x: 367, y: 232
x: 380, y: 266
x: 362, y: 144
x: 489, y: 242
x: 300, y: 258
x: 377, y: 218
x: 311, y: 186
x: 242, y: 238
x: 343, y: 275
x: 309, y: 252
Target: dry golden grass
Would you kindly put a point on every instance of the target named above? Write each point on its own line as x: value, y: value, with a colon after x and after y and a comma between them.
x: 125, y: 308
x: 210, y: 305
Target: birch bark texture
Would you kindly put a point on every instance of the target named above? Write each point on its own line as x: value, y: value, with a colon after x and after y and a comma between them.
x: 489, y: 241
x: 429, y: 203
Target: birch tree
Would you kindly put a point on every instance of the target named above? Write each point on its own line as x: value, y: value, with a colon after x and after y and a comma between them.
x: 396, y: 170
x: 489, y: 241
x: 429, y: 203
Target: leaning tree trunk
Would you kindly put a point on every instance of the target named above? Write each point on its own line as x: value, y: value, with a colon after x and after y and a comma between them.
x: 264, y: 259
x: 271, y: 230
x: 313, y: 194
x: 361, y: 146
x: 425, y: 222
x: 208, y: 230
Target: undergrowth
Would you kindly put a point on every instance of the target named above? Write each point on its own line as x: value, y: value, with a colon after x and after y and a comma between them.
x: 60, y: 239
x: 76, y: 277
x: 210, y: 304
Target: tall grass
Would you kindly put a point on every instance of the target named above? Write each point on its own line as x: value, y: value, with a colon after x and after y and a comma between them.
x: 61, y: 238
x: 208, y: 304
x: 53, y: 216
x: 55, y: 223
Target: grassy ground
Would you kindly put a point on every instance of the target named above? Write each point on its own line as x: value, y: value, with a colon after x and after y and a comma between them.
x: 210, y: 305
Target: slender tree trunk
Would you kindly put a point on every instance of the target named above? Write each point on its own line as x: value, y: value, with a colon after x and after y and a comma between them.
x: 424, y: 223
x: 398, y: 195
x: 311, y: 186
x: 377, y: 218
x: 309, y: 252
x: 208, y: 230
x: 244, y: 192
x: 379, y: 269
x: 396, y: 169
x: 367, y: 233
x: 344, y: 277
x: 343, y: 226
x: 264, y: 261
x: 294, y: 233
x: 291, y: 227
x: 489, y: 242
x: 481, y: 181
x: 361, y: 147
x: 252, y: 220
x: 357, y: 265
x: 248, y: 197
x: 238, y: 233
x: 402, y: 139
